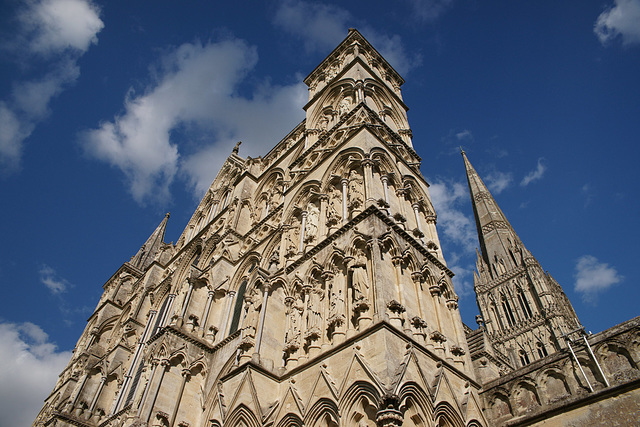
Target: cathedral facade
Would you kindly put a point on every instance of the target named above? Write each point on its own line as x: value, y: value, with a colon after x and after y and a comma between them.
x: 309, y: 288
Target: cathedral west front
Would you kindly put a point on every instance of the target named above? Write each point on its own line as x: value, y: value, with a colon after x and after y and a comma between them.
x: 310, y: 288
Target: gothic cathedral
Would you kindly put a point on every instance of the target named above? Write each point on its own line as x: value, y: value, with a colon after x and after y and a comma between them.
x: 310, y: 288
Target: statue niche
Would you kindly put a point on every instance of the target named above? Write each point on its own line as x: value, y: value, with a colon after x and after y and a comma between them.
x: 356, y: 192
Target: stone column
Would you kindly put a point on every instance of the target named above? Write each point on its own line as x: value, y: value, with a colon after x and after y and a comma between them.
x: 187, y: 299
x: 103, y: 380
x: 163, y: 369
x: 134, y: 362
x: 367, y: 165
x: 263, y: 312
x: 163, y: 321
x: 205, y: 315
x: 77, y: 392
x: 148, y: 387
x: 389, y: 414
x: 230, y: 296
x: 323, y: 230
x: 416, y: 213
x: 302, y: 230
x: 345, y: 213
x: 186, y: 374
x: 305, y: 315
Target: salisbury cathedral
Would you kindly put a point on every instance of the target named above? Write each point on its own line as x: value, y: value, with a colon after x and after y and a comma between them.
x: 310, y: 288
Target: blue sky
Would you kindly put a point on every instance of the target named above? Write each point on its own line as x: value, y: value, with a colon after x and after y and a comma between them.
x: 113, y: 113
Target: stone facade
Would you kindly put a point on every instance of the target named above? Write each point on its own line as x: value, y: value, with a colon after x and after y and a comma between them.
x: 310, y: 288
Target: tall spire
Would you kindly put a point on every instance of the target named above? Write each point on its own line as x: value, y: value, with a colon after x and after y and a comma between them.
x: 147, y: 253
x: 525, y: 311
x: 498, y: 240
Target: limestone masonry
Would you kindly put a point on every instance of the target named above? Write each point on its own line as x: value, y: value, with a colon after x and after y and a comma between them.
x: 310, y: 288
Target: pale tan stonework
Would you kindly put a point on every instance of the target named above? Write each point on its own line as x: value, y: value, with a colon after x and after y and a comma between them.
x: 310, y: 288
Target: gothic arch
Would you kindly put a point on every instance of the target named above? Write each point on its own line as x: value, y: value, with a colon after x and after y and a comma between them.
x: 444, y: 415
x: 331, y: 99
x: 345, y: 161
x: 242, y: 416
x: 324, y: 412
x: 290, y: 420
x: 361, y: 393
x: 385, y: 103
x: 412, y: 395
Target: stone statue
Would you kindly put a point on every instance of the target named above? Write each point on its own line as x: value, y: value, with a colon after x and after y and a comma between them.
x: 253, y: 303
x: 314, y: 306
x: 311, y: 229
x: 334, y: 207
x: 356, y: 194
x: 359, y: 279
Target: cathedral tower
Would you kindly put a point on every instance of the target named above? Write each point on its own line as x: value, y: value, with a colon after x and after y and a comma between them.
x: 525, y: 311
x: 308, y: 288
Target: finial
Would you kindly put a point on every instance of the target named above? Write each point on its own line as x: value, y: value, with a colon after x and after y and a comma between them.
x: 461, y: 150
x: 236, y: 148
x: 167, y: 215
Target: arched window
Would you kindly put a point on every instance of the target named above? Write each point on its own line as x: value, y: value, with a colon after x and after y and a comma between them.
x: 511, y: 320
x: 542, y: 351
x: 524, y: 304
x: 237, y: 309
x: 524, y: 358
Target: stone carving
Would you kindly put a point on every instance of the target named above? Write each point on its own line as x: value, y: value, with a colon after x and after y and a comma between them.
x: 334, y: 207
x: 311, y: 229
x: 292, y: 238
x: 253, y: 303
x: 360, y: 282
x: 356, y: 192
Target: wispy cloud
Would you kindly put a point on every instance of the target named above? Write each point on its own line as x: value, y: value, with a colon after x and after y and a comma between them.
x: 593, y: 277
x: 622, y: 19
x: 536, y: 174
x: 588, y: 194
x: 429, y: 10
x: 447, y: 198
x: 498, y: 181
x: 52, y: 280
x: 195, y: 92
x: 51, y: 35
x: 321, y: 27
x: 30, y: 366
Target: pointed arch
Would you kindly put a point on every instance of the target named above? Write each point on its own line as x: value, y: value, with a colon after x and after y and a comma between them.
x: 444, y: 415
x: 323, y: 413
x: 242, y: 416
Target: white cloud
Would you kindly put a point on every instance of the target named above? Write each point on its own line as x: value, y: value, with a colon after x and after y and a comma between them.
x: 196, y: 94
x: 55, y: 25
x: 498, y: 181
x: 623, y: 19
x: 464, y: 135
x: 52, y: 281
x: 458, y: 228
x: 593, y: 276
x: 322, y: 27
x: 29, y: 367
x: 52, y: 35
x: 536, y: 174
x: 429, y: 10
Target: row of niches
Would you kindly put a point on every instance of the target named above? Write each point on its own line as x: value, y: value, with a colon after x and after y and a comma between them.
x: 322, y: 304
x: 562, y: 380
x: 317, y: 211
x: 345, y: 95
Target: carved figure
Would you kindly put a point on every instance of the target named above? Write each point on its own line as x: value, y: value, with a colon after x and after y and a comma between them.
x: 295, y: 318
x: 336, y: 308
x: 253, y: 303
x: 292, y: 239
x: 356, y: 194
x: 314, y: 308
x: 311, y: 229
x: 334, y: 207
x: 359, y: 280
x: 345, y: 105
